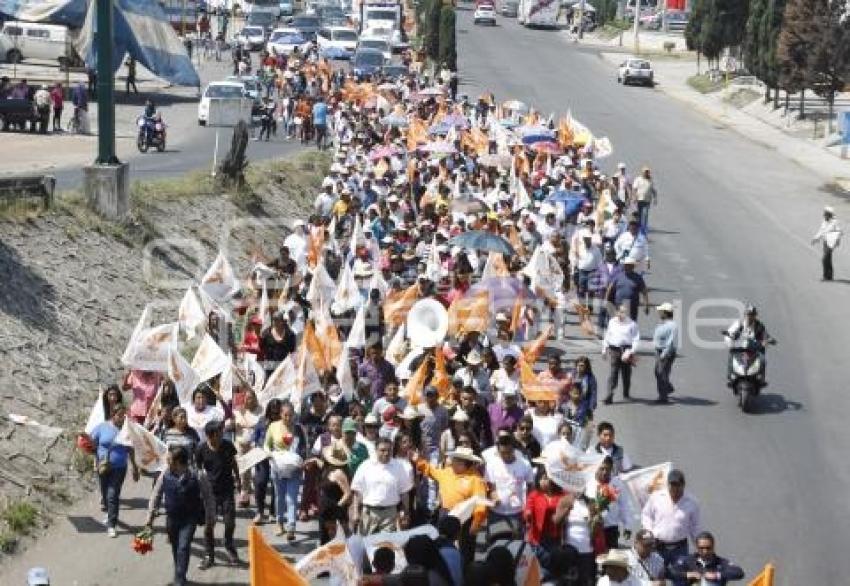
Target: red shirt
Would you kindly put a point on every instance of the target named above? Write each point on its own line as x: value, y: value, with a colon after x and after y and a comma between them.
x: 539, y: 510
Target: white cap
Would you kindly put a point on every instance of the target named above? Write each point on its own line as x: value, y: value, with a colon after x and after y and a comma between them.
x: 829, y: 210
x: 621, y: 165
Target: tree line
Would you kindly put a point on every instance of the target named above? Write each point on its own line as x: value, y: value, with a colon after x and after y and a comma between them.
x: 436, y: 28
x: 790, y: 45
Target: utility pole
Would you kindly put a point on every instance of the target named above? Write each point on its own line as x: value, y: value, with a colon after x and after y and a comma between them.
x: 107, y: 180
x: 105, y: 86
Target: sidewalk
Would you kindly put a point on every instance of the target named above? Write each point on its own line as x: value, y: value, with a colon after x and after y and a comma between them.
x: 751, y: 121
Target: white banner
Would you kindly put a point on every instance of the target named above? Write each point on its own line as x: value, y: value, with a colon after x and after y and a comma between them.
x: 220, y: 282
x: 395, y: 540
x: 182, y: 374
x: 149, y: 450
x: 568, y: 467
x: 209, y: 359
x: 333, y: 558
x: 250, y: 459
x: 150, y: 348
x: 190, y: 315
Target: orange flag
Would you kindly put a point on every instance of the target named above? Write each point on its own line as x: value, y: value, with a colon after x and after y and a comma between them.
x: 315, y: 242
x: 516, y: 313
x: 532, y: 388
x: 565, y: 133
x: 440, y: 378
x: 765, y: 578
x: 267, y: 567
x: 315, y: 348
x: 398, y: 303
x: 413, y: 388
x: 468, y: 314
x: 532, y: 573
x: 417, y: 132
x: 532, y: 352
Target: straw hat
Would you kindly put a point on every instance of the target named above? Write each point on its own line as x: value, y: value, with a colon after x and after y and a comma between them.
x: 335, y: 454
x: 410, y: 412
x: 614, y: 557
x: 464, y: 453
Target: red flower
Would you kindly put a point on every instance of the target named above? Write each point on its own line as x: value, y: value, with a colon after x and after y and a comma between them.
x: 143, y: 542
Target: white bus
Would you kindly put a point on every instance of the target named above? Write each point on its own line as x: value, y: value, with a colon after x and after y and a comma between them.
x: 540, y: 13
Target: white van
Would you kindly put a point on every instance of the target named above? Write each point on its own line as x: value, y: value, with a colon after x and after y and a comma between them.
x: 21, y: 41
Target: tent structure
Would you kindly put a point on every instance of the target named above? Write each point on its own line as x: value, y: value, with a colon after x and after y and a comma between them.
x: 141, y: 29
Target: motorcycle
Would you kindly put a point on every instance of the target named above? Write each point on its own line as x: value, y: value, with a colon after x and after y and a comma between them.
x: 747, y: 372
x: 151, y: 134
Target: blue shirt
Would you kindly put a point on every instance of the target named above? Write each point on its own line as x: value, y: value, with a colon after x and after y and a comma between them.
x: 664, y: 337
x: 627, y: 287
x: 104, y: 436
x: 320, y: 114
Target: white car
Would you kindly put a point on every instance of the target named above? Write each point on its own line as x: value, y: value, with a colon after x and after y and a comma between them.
x: 635, y: 70
x: 485, y: 14
x: 283, y: 41
x: 378, y: 43
x: 218, y: 89
x: 337, y: 40
x: 251, y: 37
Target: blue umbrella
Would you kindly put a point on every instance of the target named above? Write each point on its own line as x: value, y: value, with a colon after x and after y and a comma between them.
x: 534, y: 138
x: 571, y: 200
x: 441, y: 129
x: 481, y: 240
x: 335, y: 53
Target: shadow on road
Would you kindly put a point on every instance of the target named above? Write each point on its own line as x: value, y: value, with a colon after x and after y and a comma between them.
x: 692, y: 401
x: 772, y: 404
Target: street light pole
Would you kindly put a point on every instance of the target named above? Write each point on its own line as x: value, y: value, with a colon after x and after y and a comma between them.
x: 105, y: 85
x: 581, y: 19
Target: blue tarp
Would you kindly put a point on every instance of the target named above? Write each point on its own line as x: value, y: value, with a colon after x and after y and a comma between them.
x: 141, y: 29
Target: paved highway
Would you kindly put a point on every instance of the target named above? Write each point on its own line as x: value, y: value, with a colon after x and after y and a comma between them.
x: 733, y: 222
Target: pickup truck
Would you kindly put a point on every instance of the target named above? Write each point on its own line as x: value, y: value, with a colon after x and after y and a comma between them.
x: 16, y: 112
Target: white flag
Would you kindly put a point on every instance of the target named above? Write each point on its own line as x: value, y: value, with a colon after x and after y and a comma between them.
x: 209, y: 359
x: 569, y: 467
x: 322, y: 287
x: 463, y: 511
x: 251, y: 458
x: 182, y: 374
x: 149, y: 450
x: 280, y: 382
x: 306, y: 380
x: 332, y: 558
x: 144, y: 319
x: 190, y: 315
x: 347, y: 295
x: 378, y: 282
x: 225, y: 382
x: 96, y: 415
x: 254, y: 371
x: 521, y: 199
x: 357, y: 236
x: 396, y: 540
x: 150, y: 348
x: 220, y: 281
x: 343, y: 374
x: 396, y: 349
x: 264, y: 309
x: 357, y: 335
x: 643, y: 482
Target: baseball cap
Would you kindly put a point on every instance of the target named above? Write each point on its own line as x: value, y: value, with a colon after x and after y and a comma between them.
x: 676, y: 477
x: 430, y: 390
x: 349, y: 425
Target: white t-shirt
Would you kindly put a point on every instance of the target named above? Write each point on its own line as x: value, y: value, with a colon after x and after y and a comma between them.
x: 578, y: 527
x: 545, y: 427
x: 381, y: 485
x: 510, y: 481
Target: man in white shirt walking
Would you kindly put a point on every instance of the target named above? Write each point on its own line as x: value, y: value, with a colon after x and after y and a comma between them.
x: 508, y: 477
x: 620, y: 345
x: 829, y: 234
x: 380, y: 488
x: 645, y: 195
x: 673, y: 517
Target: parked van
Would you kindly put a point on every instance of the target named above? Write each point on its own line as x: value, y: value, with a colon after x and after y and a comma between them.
x: 21, y: 41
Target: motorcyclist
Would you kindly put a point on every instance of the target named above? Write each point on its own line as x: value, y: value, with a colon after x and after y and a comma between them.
x: 746, y: 332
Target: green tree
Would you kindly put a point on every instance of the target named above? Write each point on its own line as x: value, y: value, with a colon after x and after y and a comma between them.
x: 448, y: 42
x: 716, y: 25
x: 753, y: 39
x: 829, y: 62
x: 760, y: 42
x: 796, y: 42
x: 432, y: 30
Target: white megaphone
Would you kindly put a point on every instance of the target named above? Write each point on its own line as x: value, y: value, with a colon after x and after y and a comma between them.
x: 427, y: 323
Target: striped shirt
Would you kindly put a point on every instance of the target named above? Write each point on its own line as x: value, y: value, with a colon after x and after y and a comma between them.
x: 649, y: 568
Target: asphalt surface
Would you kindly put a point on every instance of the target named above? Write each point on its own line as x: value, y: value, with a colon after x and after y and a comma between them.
x: 733, y: 223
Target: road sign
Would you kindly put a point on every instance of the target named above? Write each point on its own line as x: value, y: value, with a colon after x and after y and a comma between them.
x: 730, y: 65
